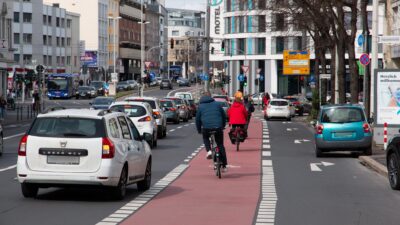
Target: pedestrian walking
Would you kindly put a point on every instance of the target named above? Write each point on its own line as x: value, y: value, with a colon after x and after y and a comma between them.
x: 3, y: 105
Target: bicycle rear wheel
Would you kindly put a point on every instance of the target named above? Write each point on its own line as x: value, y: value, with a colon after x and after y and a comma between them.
x: 237, y: 139
x: 218, y: 165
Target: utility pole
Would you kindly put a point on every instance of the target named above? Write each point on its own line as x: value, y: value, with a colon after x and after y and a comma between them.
x: 374, y: 61
x: 142, y: 43
x: 366, y: 47
x: 206, y: 51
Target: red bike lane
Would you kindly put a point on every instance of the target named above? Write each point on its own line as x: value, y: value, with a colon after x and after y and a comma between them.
x: 198, y: 197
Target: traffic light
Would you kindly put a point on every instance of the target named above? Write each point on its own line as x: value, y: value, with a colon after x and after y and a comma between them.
x: 212, y: 50
x: 245, y: 81
x: 172, y: 43
x: 223, y: 46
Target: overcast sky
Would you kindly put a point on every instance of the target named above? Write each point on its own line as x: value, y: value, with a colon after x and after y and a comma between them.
x: 187, y: 4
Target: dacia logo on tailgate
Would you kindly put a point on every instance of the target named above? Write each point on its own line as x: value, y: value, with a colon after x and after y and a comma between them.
x: 63, y: 144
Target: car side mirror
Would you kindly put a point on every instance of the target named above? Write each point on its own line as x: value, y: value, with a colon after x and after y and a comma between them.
x: 147, y: 137
x: 371, y: 120
x: 313, y: 123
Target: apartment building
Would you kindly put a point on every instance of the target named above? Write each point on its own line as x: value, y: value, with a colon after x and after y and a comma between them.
x: 6, y: 51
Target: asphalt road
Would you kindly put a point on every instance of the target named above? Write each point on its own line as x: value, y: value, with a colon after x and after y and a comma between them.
x: 79, y: 206
x: 343, y: 192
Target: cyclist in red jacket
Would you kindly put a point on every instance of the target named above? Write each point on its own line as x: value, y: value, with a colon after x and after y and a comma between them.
x: 237, y: 114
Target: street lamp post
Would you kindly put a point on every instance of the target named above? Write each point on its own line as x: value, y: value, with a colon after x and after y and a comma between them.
x: 115, y: 19
x: 142, y: 47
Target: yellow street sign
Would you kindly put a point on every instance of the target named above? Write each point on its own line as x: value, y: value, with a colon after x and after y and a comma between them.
x: 296, y: 62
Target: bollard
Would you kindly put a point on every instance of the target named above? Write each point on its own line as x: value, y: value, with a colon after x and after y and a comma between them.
x: 385, y: 136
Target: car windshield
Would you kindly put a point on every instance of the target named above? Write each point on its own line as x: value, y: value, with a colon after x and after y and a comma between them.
x: 68, y: 127
x: 58, y: 85
x: 165, y: 81
x: 84, y: 88
x: 102, y: 101
x: 185, y: 96
x: 278, y: 103
x: 342, y: 115
x: 167, y: 104
x: 151, y: 102
x: 96, y: 84
x: 123, y: 82
x: 130, y: 110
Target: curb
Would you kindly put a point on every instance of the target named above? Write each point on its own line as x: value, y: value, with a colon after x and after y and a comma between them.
x: 373, y: 164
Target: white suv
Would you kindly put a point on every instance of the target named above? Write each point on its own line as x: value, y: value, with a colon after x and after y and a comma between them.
x: 157, y: 111
x: 83, y: 147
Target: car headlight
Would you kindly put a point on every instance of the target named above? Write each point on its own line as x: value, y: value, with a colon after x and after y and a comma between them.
x: 65, y: 94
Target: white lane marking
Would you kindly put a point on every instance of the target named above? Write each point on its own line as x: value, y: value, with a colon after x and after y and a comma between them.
x: 266, y: 153
x: 266, y: 141
x: 314, y: 168
x: 8, y: 168
x: 179, y: 127
x: 187, y: 125
x: 172, y: 130
x: 192, y: 123
x: 267, y: 146
x: 13, y: 136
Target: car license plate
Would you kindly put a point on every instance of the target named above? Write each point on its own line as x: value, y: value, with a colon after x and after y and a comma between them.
x: 343, y: 134
x: 278, y: 109
x: 63, y: 160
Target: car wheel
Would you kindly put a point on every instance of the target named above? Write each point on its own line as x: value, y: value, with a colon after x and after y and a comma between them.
x: 160, y: 132
x: 393, y: 171
x: 120, y: 191
x: 186, y: 118
x: 1, y: 144
x: 289, y: 119
x: 145, y: 184
x: 164, y: 132
x: 301, y: 113
x: 318, y: 152
x: 155, y: 141
x: 368, y: 151
x: 177, y: 121
x: 29, y: 190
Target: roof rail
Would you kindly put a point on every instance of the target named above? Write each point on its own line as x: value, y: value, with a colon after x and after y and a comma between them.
x: 52, y: 109
x: 104, y: 112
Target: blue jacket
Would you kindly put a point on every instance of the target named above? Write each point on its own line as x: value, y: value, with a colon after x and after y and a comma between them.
x: 210, y: 114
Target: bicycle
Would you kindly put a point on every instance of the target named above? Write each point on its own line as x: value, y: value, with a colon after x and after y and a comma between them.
x: 215, y: 155
x: 237, y: 131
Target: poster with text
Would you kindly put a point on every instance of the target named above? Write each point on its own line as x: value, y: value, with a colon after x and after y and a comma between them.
x: 388, y: 97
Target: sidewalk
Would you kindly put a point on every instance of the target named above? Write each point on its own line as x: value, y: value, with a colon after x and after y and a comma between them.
x: 198, y: 197
x: 377, y: 161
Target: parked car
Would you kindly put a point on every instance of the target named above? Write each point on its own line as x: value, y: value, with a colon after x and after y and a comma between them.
x: 102, y: 102
x: 99, y: 86
x: 86, y: 92
x: 157, y: 112
x: 393, y: 162
x: 76, y: 147
x: 184, y: 95
x: 123, y: 86
x: 278, y: 108
x: 170, y: 109
x: 141, y: 115
x: 182, y: 108
x: 183, y: 82
x: 132, y: 84
x: 342, y: 127
x: 166, y: 83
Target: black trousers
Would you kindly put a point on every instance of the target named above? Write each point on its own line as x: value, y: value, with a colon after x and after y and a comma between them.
x: 219, y: 139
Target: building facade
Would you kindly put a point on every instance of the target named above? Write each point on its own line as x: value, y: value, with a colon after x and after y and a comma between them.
x: 392, y: 52
x: 256, y: 37
x: 186, y: 29
x: 113, y: 36
x: 93, y: 31
x: 46, y: 35
x: 6, y: 51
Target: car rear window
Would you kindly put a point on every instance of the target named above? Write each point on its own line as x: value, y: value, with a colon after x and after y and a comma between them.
x: 279, y: 103
x: 102, y: 101
x: 151, y: 102
x: 166, y: 104
x: 130, y: 110
x: 67, y: 127
x: 342, y: 115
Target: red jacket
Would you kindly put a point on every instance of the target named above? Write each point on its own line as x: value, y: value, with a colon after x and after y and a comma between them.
x: 237, y: 114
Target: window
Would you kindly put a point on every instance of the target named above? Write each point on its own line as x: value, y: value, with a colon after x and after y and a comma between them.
x: 68, y: 60
x: 262, y: 25
x: 44, y: 39
x: 62, y: 22
x: 342, y: 115
x: 68, y: 41
x: 114, y: 129
x: 135, y: 132
x: 27, y: 38
x: 58, y: 60
x: 57, y: 22
x: 50, y: 60
x: 16, y: 17
x: 49, y: 20
x: 63, y: 42
x: 57, y: 41
x: 126, y: 134
x: 16, y: 38
x: 27, y: 58
x: 69, y: 23
x: 49, y: 42
x: 16, y: 57
x: 260, y: 46
x: 279, y: 22
x: 279, y: 45
x: 27, y: 17
x: 45, y: 59
x: 241, y: 46
x: 175, y: 33
x: 44, y: 19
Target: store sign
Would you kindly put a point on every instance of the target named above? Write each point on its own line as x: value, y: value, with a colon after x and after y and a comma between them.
x: 217, y: 27
x: 296, y: 62
x: 387, y: 97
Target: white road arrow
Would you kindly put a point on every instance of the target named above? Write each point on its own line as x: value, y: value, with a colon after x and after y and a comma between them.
x: 301, y: 141
x: 314, y: 166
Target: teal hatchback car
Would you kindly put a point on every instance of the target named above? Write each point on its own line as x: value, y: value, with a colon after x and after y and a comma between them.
x: 342, y: 128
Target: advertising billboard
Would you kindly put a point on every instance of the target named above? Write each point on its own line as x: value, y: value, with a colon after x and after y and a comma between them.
x: 89, y: 59
x: 387, y: 97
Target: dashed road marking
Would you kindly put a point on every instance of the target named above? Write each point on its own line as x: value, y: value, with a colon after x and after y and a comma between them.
x: 13, y: 136
x: 8, y: 168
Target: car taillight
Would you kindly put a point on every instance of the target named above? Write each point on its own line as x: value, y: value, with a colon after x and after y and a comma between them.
x: 145, y: 119
x: 319, y: 129
x: 108, y: 149
x: 22, y: 146
x: 367, y: 128
x: 157, y: 114
x: 172, y: 109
